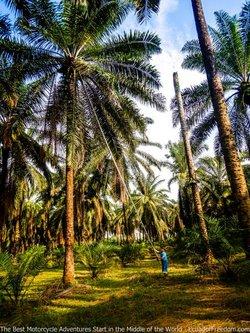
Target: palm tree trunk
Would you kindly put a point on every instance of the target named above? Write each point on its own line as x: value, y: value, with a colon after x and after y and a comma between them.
x: 247, y: 139
x: 192, y: 173
x: 126, y: 224
x: 186, y: 206
x: 69, y: 265
x: 118, y: 233
x: 178, y: 224
x: 3, y: 184
x: 232, y: 162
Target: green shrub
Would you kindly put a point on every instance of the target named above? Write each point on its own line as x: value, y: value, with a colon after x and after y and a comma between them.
x: 55, y: 258
x: 224, y: 236
x: 19, y: 273
x: 130, y: 253
x: 232, y: 271
x: 94, y: 257
x: 244, y: 271
x: 189, y: 245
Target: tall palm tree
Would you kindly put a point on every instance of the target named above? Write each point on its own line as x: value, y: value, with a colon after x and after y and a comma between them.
x: 98, y: 184
x: 192, y: 172
x: 231, y: 56
x: 90, y: 70
x: 229, y: 149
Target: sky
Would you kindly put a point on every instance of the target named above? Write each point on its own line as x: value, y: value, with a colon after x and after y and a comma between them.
x: 175, y: 25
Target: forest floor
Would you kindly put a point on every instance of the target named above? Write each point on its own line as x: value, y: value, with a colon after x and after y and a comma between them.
x: 138, y: 296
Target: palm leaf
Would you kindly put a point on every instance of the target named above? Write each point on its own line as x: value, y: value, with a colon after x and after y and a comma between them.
x: 145, y: 8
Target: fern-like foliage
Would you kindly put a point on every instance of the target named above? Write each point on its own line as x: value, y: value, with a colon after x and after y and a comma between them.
x: 19, y: 273
x: 94, y: 257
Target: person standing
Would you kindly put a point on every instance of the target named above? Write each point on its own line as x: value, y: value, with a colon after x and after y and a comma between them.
x: 164, y: 261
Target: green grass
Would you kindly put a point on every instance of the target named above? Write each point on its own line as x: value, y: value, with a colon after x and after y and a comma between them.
x: 136, y: 295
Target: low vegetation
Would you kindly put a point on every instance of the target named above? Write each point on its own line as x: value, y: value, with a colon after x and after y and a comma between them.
x: 18, y: 274
x: 137, y: 295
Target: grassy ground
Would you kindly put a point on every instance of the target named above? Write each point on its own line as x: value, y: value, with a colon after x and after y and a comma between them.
x: 137, y: 296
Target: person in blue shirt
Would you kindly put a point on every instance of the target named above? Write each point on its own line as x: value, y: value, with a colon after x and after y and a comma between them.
x: 164, y: 261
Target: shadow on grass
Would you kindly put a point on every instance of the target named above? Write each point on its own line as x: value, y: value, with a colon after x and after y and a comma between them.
x: 140, y: 307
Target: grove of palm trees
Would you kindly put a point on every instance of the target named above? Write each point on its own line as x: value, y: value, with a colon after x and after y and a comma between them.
x: 109, y: 221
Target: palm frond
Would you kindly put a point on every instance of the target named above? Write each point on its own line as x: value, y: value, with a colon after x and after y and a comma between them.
x: 141, y: 45
x: 204, y: 129
x: 244, y: 21
x: 145, y: 8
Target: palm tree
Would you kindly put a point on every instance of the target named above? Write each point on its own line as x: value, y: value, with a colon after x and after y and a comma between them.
x: 232, y: 63
x: 232, y: 162
x: 192, y: 172
x: 176, y: 163
x: 129, y: 168
x: 101, y: 180
x: 148, y: 208
x: 215, y: 188
x: 174, y: 216
x: 98, y: 186
x: 22, y: 157
x: 88, y: 72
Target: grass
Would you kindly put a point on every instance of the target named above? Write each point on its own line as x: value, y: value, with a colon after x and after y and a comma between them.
x: 137, y: 296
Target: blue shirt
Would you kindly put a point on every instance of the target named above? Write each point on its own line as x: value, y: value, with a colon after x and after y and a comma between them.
x: 164, y: 256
